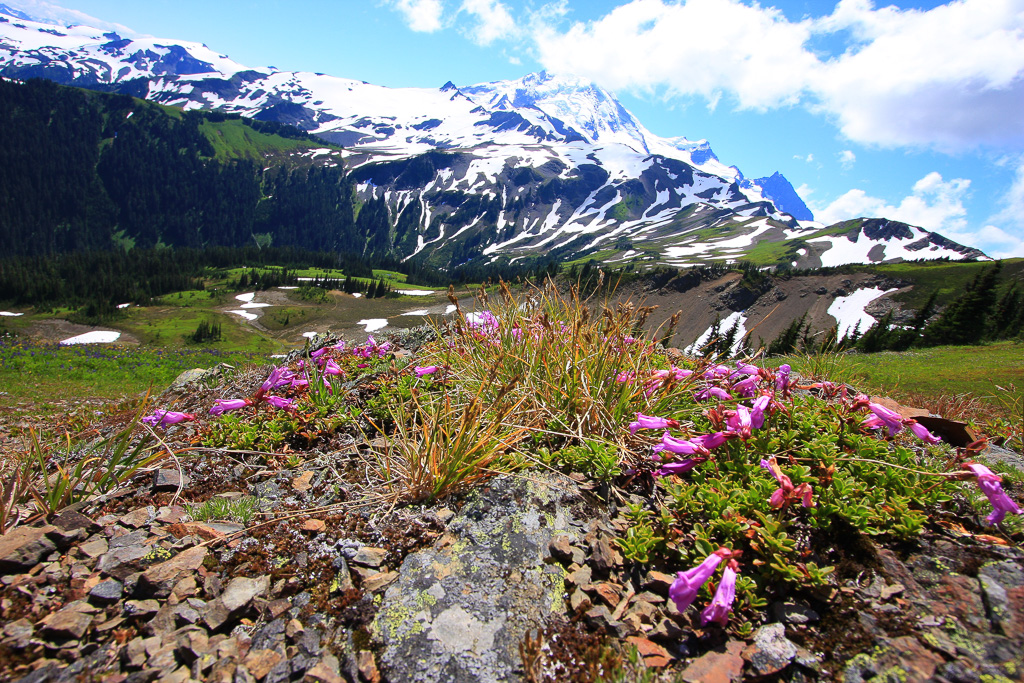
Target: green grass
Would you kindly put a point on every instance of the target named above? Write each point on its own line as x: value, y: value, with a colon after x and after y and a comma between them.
x: 48, y: 372
x: 949, y: 279
x: 232, y: 139
x: 939, y: 371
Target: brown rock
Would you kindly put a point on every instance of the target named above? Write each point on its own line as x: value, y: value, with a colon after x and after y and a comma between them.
x: 170, y: 514
x: 203, y: 531
x: 560, y: 548
x: 70, y: 520
x: 723, y: 665
x: 94, y: 548
x: 603, y: 556
x: 260, y: 662
x: 136, y: 518
x: 607, y: 593
x: 378, y: 581
x: 315, y: 525
x: 169, y: 480
x: 240, y: 592
x: 368, y: 556
x: 322, y: 673
x: 23, y: 548
x: 658, y: 582
x: 66, y: 624
x: 367, y: 667
x: 581, y: 577
x: 579, y: 600
x: 302, y: 483
x: 161, y: 578
x: 654, y: 655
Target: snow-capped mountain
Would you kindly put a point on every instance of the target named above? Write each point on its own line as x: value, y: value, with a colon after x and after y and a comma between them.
x: 542, y: 165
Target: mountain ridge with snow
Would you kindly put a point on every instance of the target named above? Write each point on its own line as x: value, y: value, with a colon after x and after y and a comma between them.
x: 545, y: 163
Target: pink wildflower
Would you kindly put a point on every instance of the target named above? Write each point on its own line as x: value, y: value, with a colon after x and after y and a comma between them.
x: 280, y: 402
x: 787, y: 493
x: 425, y: 370
x: 991, y: 485
x: 747, y: 388
x: 166, y: 418
x: 679, y: 446
x: 757, y: 411
x: 890, y: 418
x: 782, y: 378
x: 718, y: 610
x: 921, y: 432
x: 683, y: 590
x: 712, y: 392
x: 224, y: 405
x: 681, y: 467
x: 651, y: 422
x: 739, y: 422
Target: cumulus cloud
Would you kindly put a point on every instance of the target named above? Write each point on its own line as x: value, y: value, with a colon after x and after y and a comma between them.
x: 700, y: 47
x: 938, y: 205
x: 948, y: 78
x: 493, y: 21
x: 847, y: 159
x: 809, y: 158
x: 934, y: 204
x: 1010, y: 217
x: 421, y: 15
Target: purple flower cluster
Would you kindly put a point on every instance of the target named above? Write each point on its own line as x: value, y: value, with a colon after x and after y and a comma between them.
x: 166, y: 418
x: 684, y: 589
x: 991, y: 485
x: 894, y: 422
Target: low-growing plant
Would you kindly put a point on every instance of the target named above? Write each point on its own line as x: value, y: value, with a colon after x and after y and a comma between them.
x: 218, y: 509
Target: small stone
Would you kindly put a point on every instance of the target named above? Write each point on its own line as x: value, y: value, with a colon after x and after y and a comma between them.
x: 71, y: 520
x: 367, y: 667
x: 581, y: 577
x: 23, y: 548
x: 560, y: 548
x: 607, y: 593
x: 603, y: 556
x: 724, y: 665
x: 159, y: 579
x: 378, y: 581
x: 890, y: 591
x: 578, y: 600
x: 654, y: 655
x: 135, y: 538
x: 260, y: 662
x: 793, y: 613
x: 771, y: 651
x: 315, y: 525
x: 137, y: 518
x: 240, y: 592
x: 66, y: 624
x: 169, y: 480
x: 658, y: 582
x: 322, y: 673
x: 294, y: 629
x: 666, y: 630
x: 369, y: 557
x: 278, y: 607
x: 122, y: 562
x: 170, y: 514
x: 599, y: 616
x: 107, y: 592
x: 20, y: 629
x: 94, y: 548
x: 185, y: 588
x: 302, y: 483
x: 141, y: 608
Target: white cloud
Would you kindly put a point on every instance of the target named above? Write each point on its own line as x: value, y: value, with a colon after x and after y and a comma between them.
x: 421, y: 15
x: 948, y: 78
x: 847, y: 159
x: 494, y: 21
x: 809, y: 158
x: 1006, y: 244
x: 934, y: 204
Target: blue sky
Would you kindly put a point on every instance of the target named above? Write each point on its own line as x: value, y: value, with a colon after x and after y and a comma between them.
x: 911, y: 110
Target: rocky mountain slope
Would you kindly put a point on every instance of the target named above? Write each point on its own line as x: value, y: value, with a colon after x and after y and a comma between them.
x: 545, y: 165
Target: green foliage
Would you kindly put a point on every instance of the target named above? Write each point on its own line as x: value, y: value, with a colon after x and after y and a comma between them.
x: 206, y: 332
x: 241, y: 510
x: 596, y: 459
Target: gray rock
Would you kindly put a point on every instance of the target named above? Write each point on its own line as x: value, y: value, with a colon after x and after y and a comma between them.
x: 106, y: 592
x: 793, y: 613
x: 137, y: 537
x: 771, y: 651
x: 23, y: 548
x: 121, y: 562
x: 169, y: 480
x: 460, y: 609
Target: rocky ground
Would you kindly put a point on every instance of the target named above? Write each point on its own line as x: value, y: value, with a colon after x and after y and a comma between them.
x: 517, y: 580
